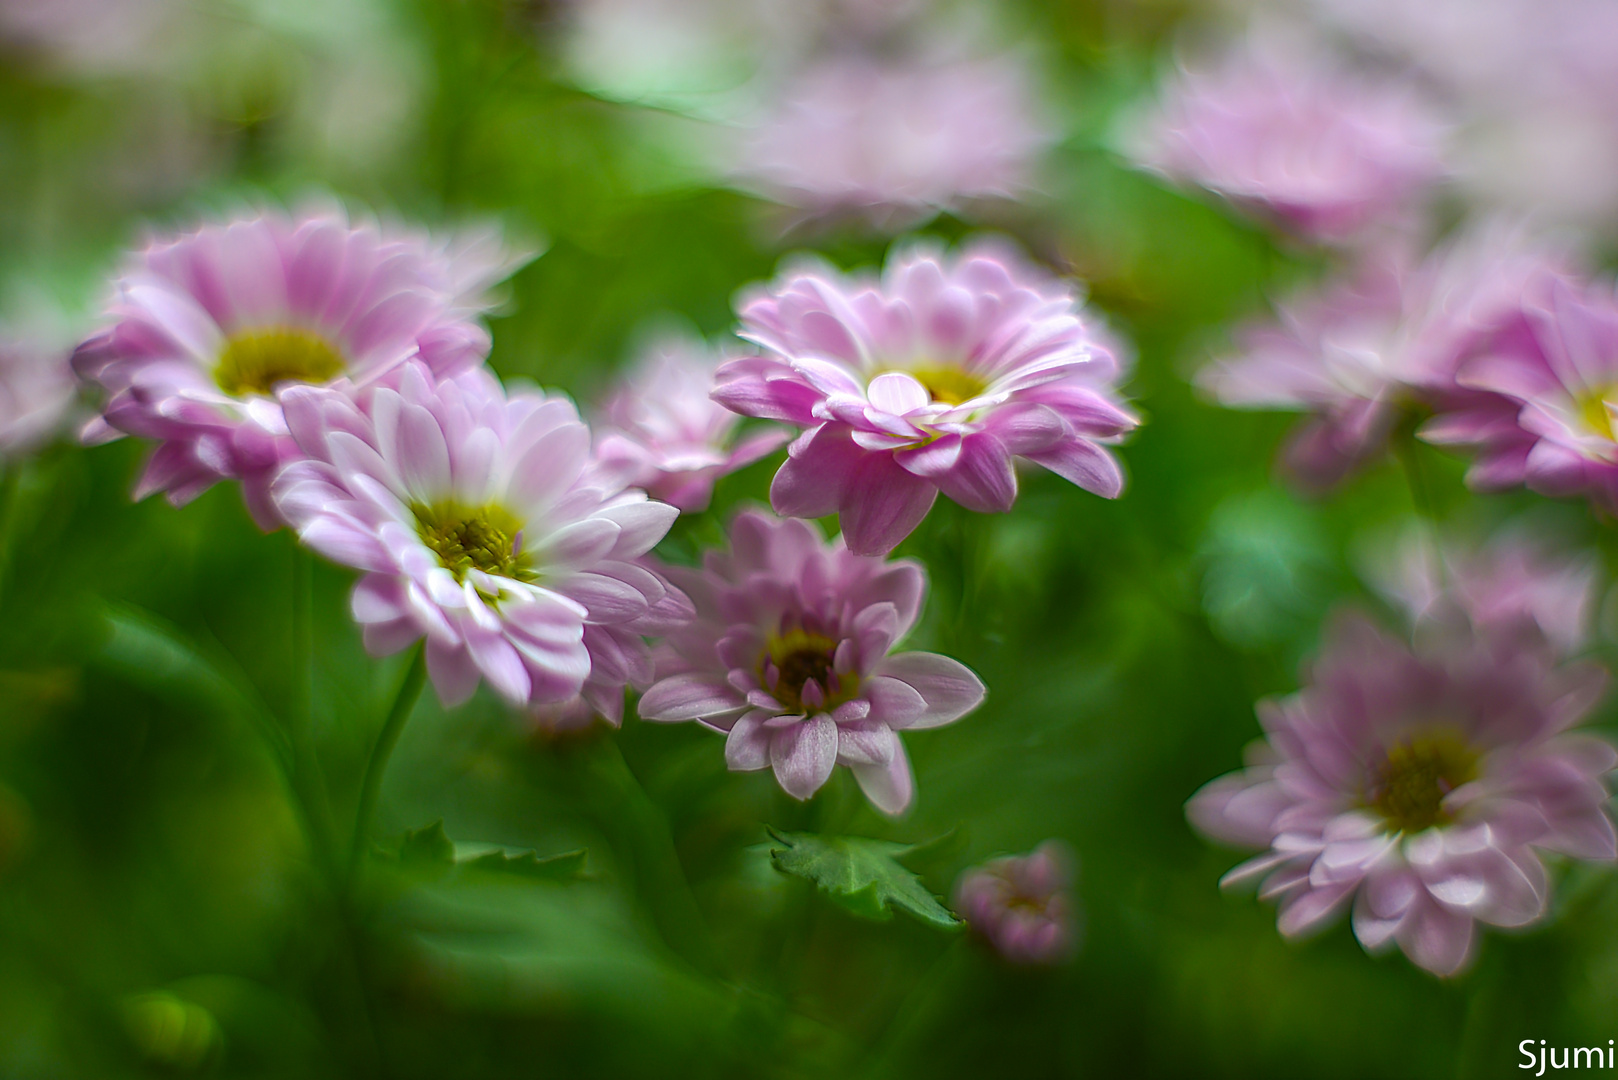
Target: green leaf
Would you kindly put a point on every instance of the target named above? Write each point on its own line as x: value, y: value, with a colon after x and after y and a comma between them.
x: 156, y: 655
x: 562, y: 867
x: 427, y: 847
x: 862, y: 875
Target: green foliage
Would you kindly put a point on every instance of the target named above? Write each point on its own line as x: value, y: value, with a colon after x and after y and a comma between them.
x: 427, y: 848
x: 862, y: 875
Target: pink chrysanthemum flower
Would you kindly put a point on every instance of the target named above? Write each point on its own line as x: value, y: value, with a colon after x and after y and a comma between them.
x: 661, y: 431
x: 1020, y: 904
x: 1388, y: 335
x: 480, y: 527
x: 207, y: 327
x: 790, y: 656
x: 1418, y: 785
x: 1296, y: 137
x: 36, y: 393
x: 895, y: 141
x: 1556, y: 367
x: 932, y: 379
x: 1513, y: 579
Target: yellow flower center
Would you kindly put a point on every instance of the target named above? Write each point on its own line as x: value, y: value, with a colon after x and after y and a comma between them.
x: 795, y: 658
x: 948, y: 385
x: 1409, y: 786
x: 1593, y: 411
x: 486, y: 538
x: 254, y: 361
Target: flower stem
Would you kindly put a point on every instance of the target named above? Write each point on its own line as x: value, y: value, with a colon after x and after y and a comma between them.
x: 404, y: 703
x: 1408, y: 452
x: 644, y: 830
x: 10, y: 487
x: 307, y: 782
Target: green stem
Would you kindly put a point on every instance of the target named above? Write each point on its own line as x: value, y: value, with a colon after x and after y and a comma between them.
x: 1408, y: 452
x: 934, y: 994
x: 404, y: 703
x: 661, y: 876
x: 307, y: 778
x: 10, y: 486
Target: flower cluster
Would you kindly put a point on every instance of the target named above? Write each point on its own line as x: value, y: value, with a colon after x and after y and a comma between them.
x: 1419, y: 784
x: 933, y: 378
x: 336, y: 370
x: 1416, y: 780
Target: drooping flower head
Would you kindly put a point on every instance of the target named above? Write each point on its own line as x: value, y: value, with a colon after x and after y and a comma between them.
x: 1556, y: 367
x: 36, y: 393
x: 1418, y: 786
x: 1020, y: 904
x: 1515, y: 578
x: 205, y: 328
x: 661, y: 431
x: 931, y: 379
x: 479, y: 526
x: 790, y: 655
x: 1387, y: 335
x: 895, y: 141
x: 1290, y: 133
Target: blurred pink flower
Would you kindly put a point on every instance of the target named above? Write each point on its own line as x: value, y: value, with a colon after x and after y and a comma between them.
x: 36, y: 394
x: 1418, y: 785
x: 1020, y: 904
x: 1389, y: 333
x: 1515, y: 578
x: 1545, y: 140
x: 896, y: 141
x: 1556, y: 365
x: 661, y: 431
x: 207, y: 327
x: 94, y: 37
x: 790, y: 656
x: 1289, y: 132
x: 932, y: 379
x: 480, y: 526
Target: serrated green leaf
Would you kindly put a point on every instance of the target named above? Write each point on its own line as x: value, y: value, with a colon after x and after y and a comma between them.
x: 561, y: 867
x: 862, y: 875
x: 427, y: 846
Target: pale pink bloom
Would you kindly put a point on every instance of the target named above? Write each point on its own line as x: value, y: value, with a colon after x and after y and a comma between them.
x: 95, y: 36
x: 790, y: 656
x: 1556, y: 367
x: 896, y: 141
x: 1545, y: 140
x: 36, y: 394
x: 931, y: 379
x: 1020, y: 904
x: 205, y: 328
x: 1514, y: 578
x: 1419, y: 786
x: 1388, y: 334
x: 661, y: 431
x: 480, y: 526
x: 1290, y: 133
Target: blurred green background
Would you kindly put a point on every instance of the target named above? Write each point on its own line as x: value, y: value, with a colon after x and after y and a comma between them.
x: 160, y: 910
